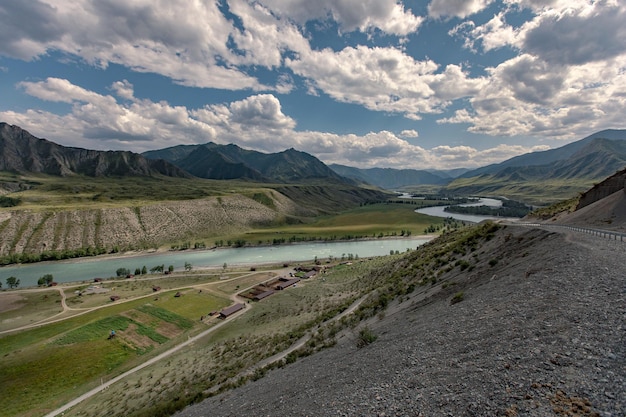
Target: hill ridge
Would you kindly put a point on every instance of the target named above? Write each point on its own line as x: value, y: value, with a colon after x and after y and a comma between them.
x: 22, y: 152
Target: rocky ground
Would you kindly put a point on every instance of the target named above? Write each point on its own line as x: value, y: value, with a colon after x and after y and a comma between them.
x: 540, y: 331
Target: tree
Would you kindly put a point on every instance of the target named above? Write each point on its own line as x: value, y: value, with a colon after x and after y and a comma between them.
x: 122, y: 272
x: 144, y: 270
x: 13, y: 282
x: 224, y: 266
x: 188, y: 266
x: 170, y: 268
x: 137, y: 271
x: 45, y: 280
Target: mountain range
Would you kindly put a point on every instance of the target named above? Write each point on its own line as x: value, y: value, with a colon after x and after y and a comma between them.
x: 22, y: 152
x: 391, y: 178
x: 590, y: 159
x: 225, y: 162
x: 596, y: 156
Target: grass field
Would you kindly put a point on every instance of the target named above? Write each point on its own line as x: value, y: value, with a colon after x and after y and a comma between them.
x: 54, y: 363
x: 369, y: 221
x: 539, y: 193
x: 268, y: 327
x: 45, y: 191
x: 44, y: 367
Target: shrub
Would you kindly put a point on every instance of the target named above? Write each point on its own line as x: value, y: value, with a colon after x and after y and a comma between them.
x: 366, y: 336
x: 458, y: 297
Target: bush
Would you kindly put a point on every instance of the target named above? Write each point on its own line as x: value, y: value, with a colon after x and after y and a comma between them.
x: 366, y: 336
x: 458, y: 297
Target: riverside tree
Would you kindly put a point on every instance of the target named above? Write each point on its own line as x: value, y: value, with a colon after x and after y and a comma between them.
x: 13, y: 282
x: 45, y: 280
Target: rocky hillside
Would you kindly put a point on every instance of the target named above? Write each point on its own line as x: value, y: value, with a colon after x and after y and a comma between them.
x: 614, y: 183
x: 138, y: 227
x: 22, y: 152
x: 521, y: 322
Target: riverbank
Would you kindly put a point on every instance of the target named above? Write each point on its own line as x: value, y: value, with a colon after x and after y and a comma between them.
x: 87, y: 269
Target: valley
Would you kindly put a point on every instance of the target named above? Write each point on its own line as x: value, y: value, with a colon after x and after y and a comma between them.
x: 157, y: 337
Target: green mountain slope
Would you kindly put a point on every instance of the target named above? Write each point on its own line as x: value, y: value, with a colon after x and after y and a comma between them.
x: 390, y: 178
x: 215, y: 161
x: 585, y: 163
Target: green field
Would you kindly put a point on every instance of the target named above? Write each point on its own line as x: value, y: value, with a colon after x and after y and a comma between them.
x: 369, y: 221
x: 44, y: 367
x: 538, y: 193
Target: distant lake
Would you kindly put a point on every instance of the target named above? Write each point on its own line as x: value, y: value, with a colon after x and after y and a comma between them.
x: 86, y: 269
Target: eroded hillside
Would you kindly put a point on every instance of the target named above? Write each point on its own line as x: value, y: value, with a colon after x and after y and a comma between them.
x: 138, y: 227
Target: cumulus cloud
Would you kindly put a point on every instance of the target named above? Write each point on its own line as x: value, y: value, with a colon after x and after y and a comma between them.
x: 185, y: 41
x: 409, y: 133
x: 21, y: 38
x: 567, y: 76
x: 494, y: 34
x: 389, y: 16
x: 576, y: 37
x: 456, y: 8
x: 257, y: 122
x: 384, y: 79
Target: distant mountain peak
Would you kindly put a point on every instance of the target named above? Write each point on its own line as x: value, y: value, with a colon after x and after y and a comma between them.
x: 230, y: 161
x: 22, y: 152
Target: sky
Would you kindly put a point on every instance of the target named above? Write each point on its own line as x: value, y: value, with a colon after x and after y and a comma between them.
x: 432, y: 84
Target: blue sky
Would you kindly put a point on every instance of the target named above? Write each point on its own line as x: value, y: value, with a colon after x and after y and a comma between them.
x: 367, y: 83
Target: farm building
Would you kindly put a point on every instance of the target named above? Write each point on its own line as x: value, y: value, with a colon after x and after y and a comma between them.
x: 231, y: 310
x: 259, y: 297
x: 288, y: 283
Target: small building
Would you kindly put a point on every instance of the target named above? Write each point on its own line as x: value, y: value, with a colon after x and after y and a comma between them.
x: 264, y: 294
x: 310, y: 274
x: 114, y: 297
x: 288, y: 283
x: 155, y: 288
x: 229, y: 311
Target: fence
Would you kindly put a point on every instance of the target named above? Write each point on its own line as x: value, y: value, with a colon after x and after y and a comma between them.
x: 595, y: 232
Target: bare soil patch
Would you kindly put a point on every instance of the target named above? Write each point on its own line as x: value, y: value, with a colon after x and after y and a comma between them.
x: 135, y: 340
x: 10, y: 302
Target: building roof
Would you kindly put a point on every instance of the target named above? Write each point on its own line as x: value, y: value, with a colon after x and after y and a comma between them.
x: 286, y: 284
x: 232, y: 309
x: 263, y: 295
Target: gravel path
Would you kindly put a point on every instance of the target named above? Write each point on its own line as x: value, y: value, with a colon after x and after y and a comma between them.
x: 539, y: 333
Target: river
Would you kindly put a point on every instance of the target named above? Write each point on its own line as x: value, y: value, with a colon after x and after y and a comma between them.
x: 439, y: 211
x: 86, y: 269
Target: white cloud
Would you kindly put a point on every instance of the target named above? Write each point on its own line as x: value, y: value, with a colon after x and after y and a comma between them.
x: 389, y: 16
x: 185, y: 41
x: 526, y: 96
x: 409, y: 133
x: 577, y: 36
x: 456, y: 8
x: 123, y: 89
x: 384, y: 79
x: 257, y: 122
x: 567, y: 78
x: 496, y: 33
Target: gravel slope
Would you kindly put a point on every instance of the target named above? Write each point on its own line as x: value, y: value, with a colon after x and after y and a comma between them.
x: 539, y: 333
